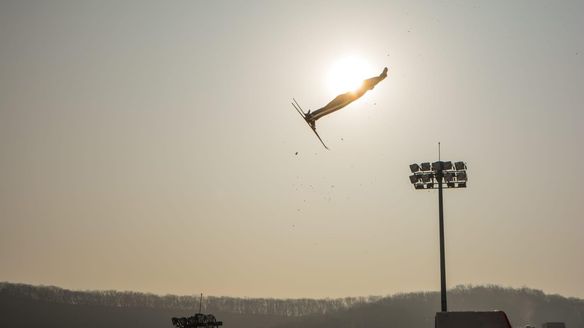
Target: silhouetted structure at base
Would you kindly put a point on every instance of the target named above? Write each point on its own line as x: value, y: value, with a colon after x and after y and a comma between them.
x: 491, y: 319
x: 554, y: 325
x: 198, y: 320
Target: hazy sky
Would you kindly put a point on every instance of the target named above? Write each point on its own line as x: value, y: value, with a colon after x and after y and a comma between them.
x: 150, y: 146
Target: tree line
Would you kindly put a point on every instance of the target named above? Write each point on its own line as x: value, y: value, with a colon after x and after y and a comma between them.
x: 211, y: 304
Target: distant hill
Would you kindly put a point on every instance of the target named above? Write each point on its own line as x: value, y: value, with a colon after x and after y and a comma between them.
x: 523, y: 307
x: 24, y: 305
x: 40, y: 306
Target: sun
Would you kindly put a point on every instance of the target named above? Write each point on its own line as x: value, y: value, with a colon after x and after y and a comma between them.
x: 347, y: 74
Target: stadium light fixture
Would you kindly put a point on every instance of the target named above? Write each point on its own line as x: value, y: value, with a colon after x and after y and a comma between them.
x: 414, y: 178
x: 461, y: 176
x: 460, y: 166
x: 425, y: 166
x: 414, y: 168
x: 440, y: 175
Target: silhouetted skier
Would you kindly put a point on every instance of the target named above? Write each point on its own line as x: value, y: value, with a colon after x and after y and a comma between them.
x: 344, y: 99
x: 339, y: 102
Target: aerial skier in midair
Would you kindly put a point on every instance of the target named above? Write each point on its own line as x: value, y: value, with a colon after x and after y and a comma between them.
x: 339, y: 102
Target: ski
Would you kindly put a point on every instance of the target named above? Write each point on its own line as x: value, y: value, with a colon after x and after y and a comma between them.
x: 301, y: 112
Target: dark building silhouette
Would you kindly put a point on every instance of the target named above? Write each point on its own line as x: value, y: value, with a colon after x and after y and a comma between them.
x: 465, y: 319
x: 553, y: 325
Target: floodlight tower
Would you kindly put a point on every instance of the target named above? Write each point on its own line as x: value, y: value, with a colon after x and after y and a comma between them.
x: 429, y: 176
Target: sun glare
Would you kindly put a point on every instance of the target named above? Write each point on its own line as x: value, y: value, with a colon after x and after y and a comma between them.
x: 347, y: 74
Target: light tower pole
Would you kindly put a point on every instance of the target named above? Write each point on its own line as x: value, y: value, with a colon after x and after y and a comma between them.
x: 429, y: 176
